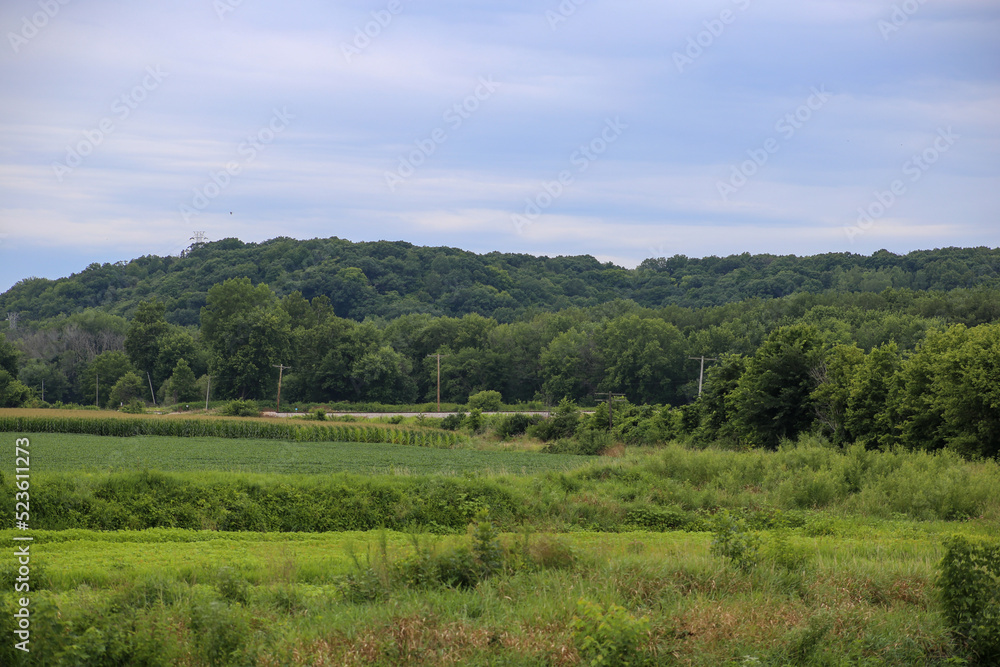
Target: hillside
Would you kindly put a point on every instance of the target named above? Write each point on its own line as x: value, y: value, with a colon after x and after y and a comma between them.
x: 390, y: 279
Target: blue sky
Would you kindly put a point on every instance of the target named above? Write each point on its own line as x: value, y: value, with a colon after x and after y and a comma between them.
x: 623, y: 130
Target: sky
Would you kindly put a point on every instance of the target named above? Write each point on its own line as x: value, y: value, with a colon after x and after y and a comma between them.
x: 622, y: 130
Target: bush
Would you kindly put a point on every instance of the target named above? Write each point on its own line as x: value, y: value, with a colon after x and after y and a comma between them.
x: 587, y: 443
x: 134, y: 407
x: 732, y: 540
x: 970, y: 592
x: 453, y: 422
x: 609, y: 636
x: 476, y: 422
x: 561, y: 424
x: 128, y: 388
x: 515, y: 424
x: 487, y: 401
x: 241, y: 408
x: 319, y: 414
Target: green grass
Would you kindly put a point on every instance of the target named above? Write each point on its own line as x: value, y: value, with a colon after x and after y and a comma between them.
x: 849, y: 603
x: 846, y: 571
x: 59, y: 452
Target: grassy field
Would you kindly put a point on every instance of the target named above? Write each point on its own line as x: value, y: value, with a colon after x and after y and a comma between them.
x: 59, y: 452
x: 247, y: 598
x: 809, y: 555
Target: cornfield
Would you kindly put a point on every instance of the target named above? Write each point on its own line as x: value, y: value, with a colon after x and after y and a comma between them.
x: 217, y: 428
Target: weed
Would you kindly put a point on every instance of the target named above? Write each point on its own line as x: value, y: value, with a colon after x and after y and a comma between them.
x: 232, y: 586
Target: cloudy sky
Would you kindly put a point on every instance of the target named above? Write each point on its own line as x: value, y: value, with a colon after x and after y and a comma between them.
x: 624, y: 129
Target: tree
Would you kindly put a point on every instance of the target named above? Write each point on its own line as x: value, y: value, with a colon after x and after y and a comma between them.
x: 128, y: 388
x: 869, y: 418
x: 182, y: 385
x: 142, y: 339
x: 341, y: 344
x: 950, y: 391
x: 102, y: 373
x: 174, y: 345
x: 383, y: 376
x: 247, y: 334
x: 572, y: 365
x: 644, y: 359
x: 715, y: 414
x: 37, y: 372
x: 8, y: 356
x: 832, y: 395
x: 773, y: 399
x: 13, y: 393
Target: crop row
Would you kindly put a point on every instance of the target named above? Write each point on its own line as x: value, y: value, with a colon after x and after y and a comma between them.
x: 220, y: 428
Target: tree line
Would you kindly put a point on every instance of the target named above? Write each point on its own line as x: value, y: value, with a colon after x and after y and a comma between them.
x: 390, y: 279
x: 917, y: 368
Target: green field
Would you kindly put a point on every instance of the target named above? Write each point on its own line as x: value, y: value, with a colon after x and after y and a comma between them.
x: 809, y: 555
x: 187, y: 597
x: 60, y: 452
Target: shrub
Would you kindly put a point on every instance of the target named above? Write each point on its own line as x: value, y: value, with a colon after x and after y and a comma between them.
x: 487, y: 401
x: 370, y: 580
x: 969, y: 584
x: 654, y: 518
x: 780, y: 551
x: 588, y: 443
x: 241, y: 408
x: 232, y: 586
x: 732, y: 540
x: 515, y: 424
x: 561, y: 424
x: 453, y: 422
x: 128, y: 388
x: 134, y: 407
x: 476, y: 422
x: 319, y: 414
x: 486, y: 547
x: 609, y: 636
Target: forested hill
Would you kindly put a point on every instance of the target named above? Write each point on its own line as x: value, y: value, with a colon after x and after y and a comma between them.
x: 389, y: 279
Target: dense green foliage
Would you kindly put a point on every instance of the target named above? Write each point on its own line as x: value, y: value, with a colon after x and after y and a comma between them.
x: 390, y: 279
x: 970, y: 591
x: 882, y: 350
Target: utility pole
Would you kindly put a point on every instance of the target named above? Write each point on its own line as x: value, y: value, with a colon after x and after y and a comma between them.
x: 438, y: 355
x: 208, y: 390
x: 701, y: 375
x: 151, y: 387
x: 281, y: 369
x: 43, y: 391
x: 611, y: 399
x: 97, y: 389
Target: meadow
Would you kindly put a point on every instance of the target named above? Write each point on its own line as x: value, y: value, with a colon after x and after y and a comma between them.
x: 163, y: 597
x: 156, y: 550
